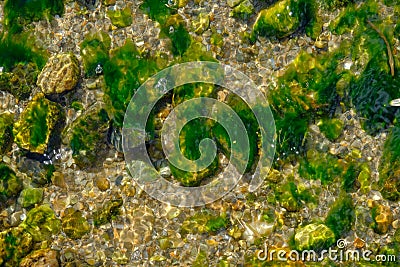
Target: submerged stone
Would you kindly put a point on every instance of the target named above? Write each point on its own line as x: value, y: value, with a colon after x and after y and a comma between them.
x: 283, y: 18
x: 314, y: 237
x: 74, y: 225
x: 10, y: 184
x: 41, y: 223
x: 202, y: 23
x: 87, y: 137
x: 244, y: 10
x: 42, y: 257
x: 120, y: 17
x: 107, y: 212
x: 382, y: 218
x: 15, y: 243
x: 331, y: 128
x: 36, y: 123
x: 61, y: 73
x: 31, y: 196
x: 6, y: 132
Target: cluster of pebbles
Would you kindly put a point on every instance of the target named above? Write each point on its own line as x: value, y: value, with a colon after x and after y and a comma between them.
x: 137, y: 236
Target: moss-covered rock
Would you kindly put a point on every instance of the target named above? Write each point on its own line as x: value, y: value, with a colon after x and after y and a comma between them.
x: 120, y: 17
x: 6, y: 132
x: 36, y: 123
x: 107, y: 212
x: 284, y: 18
x: 20, y: 81
x: 61, y: 73
x: 30, y: 197
x: 202, y: 23
x: 42, y: 257
x: 15, y: 243
x: 244, y: 10
x: 341, y: 215
x: 314, y: 236
x: 74, y: 225
x: 204, y: 222
x: 95, y: 51
x: 175, y: 29
x: 126, y: 70
x: 331, y: 128
x: 41, y: 223
x: 10, y: 184
x: 87, y: 137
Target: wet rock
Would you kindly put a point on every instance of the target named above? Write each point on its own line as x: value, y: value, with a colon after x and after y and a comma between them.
x: 383, y: 218
x: 283, y: 18
x: 10, y: 184
x: 102, y: 183
x: 37, y: 122
x: 15, y: 243
x: 74, y: 225
x: 20, y: 81
x: 30, y: 197
x: 42, y: 257
x: 60, y: 74
x: 244, y: 10
x: 41, y: 223
x: 120, y: 17
x: 202, y: 23
x: 331, y: 128
x: 107, y: 212
x: 314, y: 236
x: 87, y: 137
x: 6, y: 133
x: 233, y: 3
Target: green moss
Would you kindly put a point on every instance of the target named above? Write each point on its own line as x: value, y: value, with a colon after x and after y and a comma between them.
x: 94, y: 51
x: 31, y: 196
x: 18, y: 13
x: 389, y: 168
x: 331, y: 128
x: 280, y: 21
x: 244, y: 10
x: 174, y: 28
x: 107, y: 212
x: 124, y: 73
x: 120, y: 18
x: 341, y: 215
x: 74, y: 225
x: 10, y: 184
x: 6, y: 132
x: 88, y: 134
x: 15, y: 243
x: 41, y: 223
x: 32, y: 131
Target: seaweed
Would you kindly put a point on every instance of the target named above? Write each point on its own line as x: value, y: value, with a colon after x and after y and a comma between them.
x: 158, y: 10
x: 174, y: 28
x: 95, y: 51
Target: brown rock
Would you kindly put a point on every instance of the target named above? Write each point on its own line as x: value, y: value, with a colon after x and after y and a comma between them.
x: 40, y: 258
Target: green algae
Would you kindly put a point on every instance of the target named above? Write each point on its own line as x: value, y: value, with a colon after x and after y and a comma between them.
x: 331, y: 128
x: 314, y: 237
x: 10, y: 184
x: 174, y: 28
x: 109, y: 210
x: 205, y: 222
x: 350, y: 177
x: 30, y: 197
x: 95, y: 51
x: 120, y: 17
x: 126, y: 70
x: 6, y: 132
x: 41, y: 223
x: 244, y: 10
x: 158, y: 10
x: 201, y: 24
x: 88, y: 134
x: 18, y: 13
x: 335, y: 4
x: 341, y: 215
x: 37, y: 122
x: 292, y: 196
